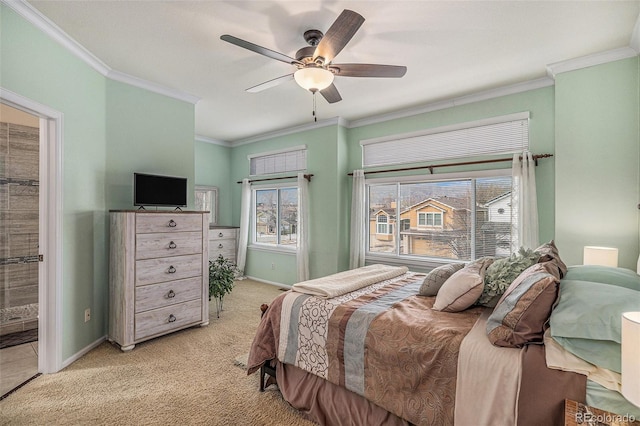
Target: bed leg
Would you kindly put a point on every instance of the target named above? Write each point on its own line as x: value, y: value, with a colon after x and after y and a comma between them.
x: 267, y: 370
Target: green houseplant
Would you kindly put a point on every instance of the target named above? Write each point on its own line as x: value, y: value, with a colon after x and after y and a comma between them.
x: 222, y: 273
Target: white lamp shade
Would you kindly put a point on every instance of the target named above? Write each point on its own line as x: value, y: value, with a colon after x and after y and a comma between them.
x: 605, y: 256
x: 631, y: 357
x: 313, y: 78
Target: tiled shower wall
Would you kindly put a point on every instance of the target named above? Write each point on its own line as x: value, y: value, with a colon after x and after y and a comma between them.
x: 19, y: 168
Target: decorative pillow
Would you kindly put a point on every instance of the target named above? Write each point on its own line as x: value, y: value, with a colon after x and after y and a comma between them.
x: 502, y: 273
x: 519, y: 317
x: 549, y: 253
x: 620, y: 277
x: 587, y: 320
x: 437, y: 277
x: 462, y: 288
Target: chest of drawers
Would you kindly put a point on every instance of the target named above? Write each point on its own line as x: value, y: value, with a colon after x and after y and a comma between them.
x: 158, y: 277
x: 223, y: 240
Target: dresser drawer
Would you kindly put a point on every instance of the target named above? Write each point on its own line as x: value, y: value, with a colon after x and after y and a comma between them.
x: 149, y: 246
x: 227, y: 248
x: 168, y: 222
x: 163, y: 320
x: 154, y: 296
x: 222, y: 234
x: 164, y: 269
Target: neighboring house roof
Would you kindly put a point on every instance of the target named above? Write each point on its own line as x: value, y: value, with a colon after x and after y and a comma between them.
x: 498, y: 198
x: 454, y: 203
x: 387, y: 211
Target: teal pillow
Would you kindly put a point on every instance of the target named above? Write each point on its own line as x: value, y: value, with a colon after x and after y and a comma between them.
x: 604, y: 274
x: 587, y: 320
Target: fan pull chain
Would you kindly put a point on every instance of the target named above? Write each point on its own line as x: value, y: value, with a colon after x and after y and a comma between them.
x: 315, y: 118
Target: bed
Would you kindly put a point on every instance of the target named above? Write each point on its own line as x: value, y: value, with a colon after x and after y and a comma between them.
x: 383, y: 345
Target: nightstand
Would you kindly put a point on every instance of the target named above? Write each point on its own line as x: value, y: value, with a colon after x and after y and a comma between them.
x: 576, y: 413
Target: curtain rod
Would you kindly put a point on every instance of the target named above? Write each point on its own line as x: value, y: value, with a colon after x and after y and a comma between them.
x: 465, y: 163
x: 307, y: 177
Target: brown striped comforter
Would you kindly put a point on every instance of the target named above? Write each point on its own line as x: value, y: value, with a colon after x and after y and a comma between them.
x: 382, y: 342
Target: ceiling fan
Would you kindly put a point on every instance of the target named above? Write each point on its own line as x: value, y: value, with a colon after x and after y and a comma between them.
x: 316, y: 69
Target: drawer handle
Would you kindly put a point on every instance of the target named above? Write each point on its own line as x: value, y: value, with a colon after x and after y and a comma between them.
x: 220, y: 235
x: 172, y: 245
x: 171, y: 294
x: 220, y: 245
x: 172, y: 270
x: 172, y: 318
x: 172, y: 223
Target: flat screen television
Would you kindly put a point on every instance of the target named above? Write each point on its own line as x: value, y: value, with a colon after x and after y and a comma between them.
x: 157, y: 190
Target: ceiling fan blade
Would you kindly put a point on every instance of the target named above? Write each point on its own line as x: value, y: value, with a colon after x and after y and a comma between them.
x: 331, y: 94
x: 338, y: 35
x: 259, y: 49
x: 368, y: 70
x: 269, y: 84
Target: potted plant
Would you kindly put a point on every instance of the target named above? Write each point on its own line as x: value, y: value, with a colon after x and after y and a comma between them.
x: 222, y: 272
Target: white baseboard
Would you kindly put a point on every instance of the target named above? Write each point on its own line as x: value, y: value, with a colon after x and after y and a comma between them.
x: 83, y: 351
x: 268, y: 282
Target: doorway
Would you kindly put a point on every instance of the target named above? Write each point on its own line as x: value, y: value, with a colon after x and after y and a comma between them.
x: 30, y: 242
x: 19, y: 246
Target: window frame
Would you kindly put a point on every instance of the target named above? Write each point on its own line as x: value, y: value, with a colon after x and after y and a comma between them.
x: 256, y: 245
x: 213, y: 212
x: 421, y: 262
x: 382, y: 224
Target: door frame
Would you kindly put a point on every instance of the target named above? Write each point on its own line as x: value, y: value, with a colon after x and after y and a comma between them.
x: 50, y: 229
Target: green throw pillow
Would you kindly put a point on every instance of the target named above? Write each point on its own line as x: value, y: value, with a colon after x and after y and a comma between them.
x: 502, y: 273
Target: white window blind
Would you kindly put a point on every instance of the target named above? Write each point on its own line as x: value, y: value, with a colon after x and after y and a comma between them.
x: 292, y: 160
x: 499, y: 135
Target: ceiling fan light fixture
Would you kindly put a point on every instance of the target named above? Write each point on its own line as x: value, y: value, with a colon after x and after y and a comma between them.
x: 313, y: 78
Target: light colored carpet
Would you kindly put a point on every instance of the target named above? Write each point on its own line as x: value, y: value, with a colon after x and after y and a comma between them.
x: 188, y: 377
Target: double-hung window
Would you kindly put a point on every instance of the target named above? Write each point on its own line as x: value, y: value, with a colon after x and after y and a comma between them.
x: 275, y: 208
x: 275, y: 213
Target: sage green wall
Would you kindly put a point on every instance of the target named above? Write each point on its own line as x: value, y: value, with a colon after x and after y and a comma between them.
x: 323, y: 146
x: 597, y: 146
x: 334, y: 151
x: 146, y: 132
x: 213, y: 168
x: 110, y: 130
x: 34, y: 66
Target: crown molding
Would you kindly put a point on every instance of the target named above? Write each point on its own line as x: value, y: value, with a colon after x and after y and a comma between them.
x: 213, y: 141
x: 461, y: 100
x: 290, y: 130
x: 48, y: 27
x: 151, y: 87
x: 590, y: 60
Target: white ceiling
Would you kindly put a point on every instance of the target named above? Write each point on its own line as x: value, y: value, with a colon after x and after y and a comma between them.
x: 451, y: 49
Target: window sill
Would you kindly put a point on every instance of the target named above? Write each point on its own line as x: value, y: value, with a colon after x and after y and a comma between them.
x: 414, y: 264
x: 273, y: 249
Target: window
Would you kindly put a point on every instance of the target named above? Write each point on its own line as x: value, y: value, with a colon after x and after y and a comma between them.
x: 446, y: 219
x: 496, y: 135
x: 383, y: 225
x: 290, y: 160
x: 207, y: 200
x: 430, y: 219
x: 275, y: 216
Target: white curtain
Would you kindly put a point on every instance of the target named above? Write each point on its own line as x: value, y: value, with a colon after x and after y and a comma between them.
x: 302, y: 254
x: 245, y: 214
x: 358, y: 217
x: 524, y: 205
